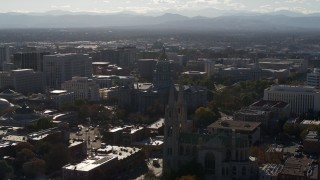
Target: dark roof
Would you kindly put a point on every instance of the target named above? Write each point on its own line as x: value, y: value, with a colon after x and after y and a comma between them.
x: 193, y: 138
x: 237, y: 125
x: 24, y: 110
x: 8, y: 91
x: 269, y: 104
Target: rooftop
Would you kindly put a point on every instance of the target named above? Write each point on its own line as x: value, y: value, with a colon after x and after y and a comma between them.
x: 91, y: 163
x: 118, y: 151
x: 15, y: 138
x: 312, y: 136
x: 310, y: 122
x: 271, y: 104
x: 4, y: 143
x: 271, y: 169
x: 156, y: 125
x: 58, y: 91
x: 151, y: 141
x: 300, y: 167
x: 237, y: 125
x: 288, y: 88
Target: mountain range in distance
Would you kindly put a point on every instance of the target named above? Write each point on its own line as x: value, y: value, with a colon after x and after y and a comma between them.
x: 203, y: 20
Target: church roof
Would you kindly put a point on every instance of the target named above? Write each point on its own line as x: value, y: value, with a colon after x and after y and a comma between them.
x: 193, y: 138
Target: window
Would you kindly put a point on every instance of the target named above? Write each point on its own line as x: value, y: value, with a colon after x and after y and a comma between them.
x: 181, y: 150
x: 194, y: 151
x: 169, y: 131
x: 237, y: 155
x: 188, y: 151
x: 228, y: 155
x: 234, y: 170
x: 244, y: 171
x: 209, y: 162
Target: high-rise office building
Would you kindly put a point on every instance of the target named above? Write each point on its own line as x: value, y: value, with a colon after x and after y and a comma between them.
x: 24, y: 81
x: 4, y: 55
x: 83, y: 88
x: 313, y: 79
x: 122, y: 56
x: 29, y: 60
x: 59, y: 68
x: 302, y: 99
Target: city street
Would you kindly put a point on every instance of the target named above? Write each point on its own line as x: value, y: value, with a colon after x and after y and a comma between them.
x: 90, y: 135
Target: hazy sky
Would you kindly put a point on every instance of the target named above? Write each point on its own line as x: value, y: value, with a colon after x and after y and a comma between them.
x: 142, y: 6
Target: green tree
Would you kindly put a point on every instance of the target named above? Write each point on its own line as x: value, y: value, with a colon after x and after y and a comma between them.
x: 57, y: 157
x: 23, y: 145
x: 292, y: 129
x: 34, y: 167
x: 5, y: 169
x: 43, y: 123
x: 204, y: 116
x: 23, y: 156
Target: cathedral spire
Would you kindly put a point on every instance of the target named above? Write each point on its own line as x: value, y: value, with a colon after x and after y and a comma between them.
x: 180, y: 96
x: 171, y: 95
x: 163, y: 55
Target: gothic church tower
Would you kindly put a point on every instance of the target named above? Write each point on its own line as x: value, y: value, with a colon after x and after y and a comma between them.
x: 175, y: 123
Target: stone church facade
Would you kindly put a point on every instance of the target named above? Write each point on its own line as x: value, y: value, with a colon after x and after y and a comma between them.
x: 222, y: 156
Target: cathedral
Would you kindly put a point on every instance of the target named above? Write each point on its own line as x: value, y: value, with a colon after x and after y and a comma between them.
x: 222, y: 156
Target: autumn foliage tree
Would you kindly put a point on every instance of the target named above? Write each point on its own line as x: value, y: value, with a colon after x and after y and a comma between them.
x: 35, y: 167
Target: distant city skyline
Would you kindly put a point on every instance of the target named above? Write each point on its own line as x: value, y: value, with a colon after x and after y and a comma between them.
x: 158, y: 6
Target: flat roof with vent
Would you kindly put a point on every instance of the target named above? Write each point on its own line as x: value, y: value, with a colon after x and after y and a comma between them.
x: 91, y: 163
x: 236, y: 125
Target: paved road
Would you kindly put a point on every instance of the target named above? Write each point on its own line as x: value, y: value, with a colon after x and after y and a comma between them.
x: 88, y: 135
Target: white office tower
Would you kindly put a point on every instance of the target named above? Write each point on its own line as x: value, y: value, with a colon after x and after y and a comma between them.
x: 302, y: 99
x: 83, y: 88
x: 4, y: 55
x: 25, y: 81
x: 313, y: 79
x: 209, y: 66
x: 59, y: 68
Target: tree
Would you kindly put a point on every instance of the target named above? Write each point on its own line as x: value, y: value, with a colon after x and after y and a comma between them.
x: 5, y: 169
x: 25, y: 155
x: 57, y: 157
x: 23, y: 145
x: 204, y: 116
x: 292, y: 129
x: 42, y: 123
x: 43, y: 148
x: 34, y: 167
